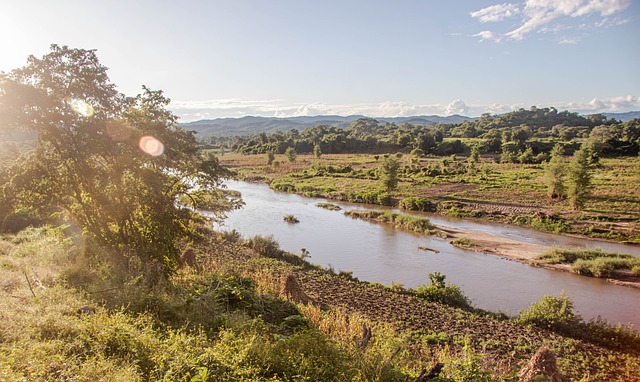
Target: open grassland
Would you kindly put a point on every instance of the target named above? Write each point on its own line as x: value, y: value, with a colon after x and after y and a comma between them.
x: 244, y: 310
x: 505, y: 192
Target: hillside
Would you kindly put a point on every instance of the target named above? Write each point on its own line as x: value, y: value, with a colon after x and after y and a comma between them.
x: 254, y: 125
x: 249, y: 125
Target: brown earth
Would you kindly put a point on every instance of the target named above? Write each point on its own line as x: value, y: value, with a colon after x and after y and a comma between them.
x: 506, y: 344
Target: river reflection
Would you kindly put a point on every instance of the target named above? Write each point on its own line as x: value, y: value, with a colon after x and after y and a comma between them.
x: 379, y: 253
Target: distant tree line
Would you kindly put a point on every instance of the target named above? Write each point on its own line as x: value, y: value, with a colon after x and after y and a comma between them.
x: 525, y: 136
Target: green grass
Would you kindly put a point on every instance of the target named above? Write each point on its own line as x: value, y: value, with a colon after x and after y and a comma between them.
x: 222, y: 319
x: 589, y: 262
x: 403, y: 221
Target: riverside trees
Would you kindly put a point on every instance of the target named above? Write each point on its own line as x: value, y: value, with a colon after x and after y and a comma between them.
x: 116, y: 165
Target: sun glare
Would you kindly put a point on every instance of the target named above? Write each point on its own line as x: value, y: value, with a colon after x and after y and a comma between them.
x: 81, y: 107
x: 151, y: 146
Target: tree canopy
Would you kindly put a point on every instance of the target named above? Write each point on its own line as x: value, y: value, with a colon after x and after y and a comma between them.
x: 118, y: 166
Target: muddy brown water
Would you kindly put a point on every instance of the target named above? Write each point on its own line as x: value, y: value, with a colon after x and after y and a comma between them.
x: 379, y: 253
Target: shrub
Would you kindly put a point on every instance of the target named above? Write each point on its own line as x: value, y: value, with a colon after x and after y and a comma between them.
x: 551, y: 312
x: 265, y: 246
x: 442, y: 292
x: 601, y: 266
x: 283, y: 186
x: 417, y: 203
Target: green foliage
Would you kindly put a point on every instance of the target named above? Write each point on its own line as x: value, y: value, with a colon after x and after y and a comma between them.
x: 291, y: 154
x: 117, y: 164
x: 404, y: 221
x: 579, y: 179
x: 469, y: 366
x: 603, y: 266
x: 570, y: 256
x: 551, y: 312
x: 442, y: 292
x: 370, y: 197
x: 317, y: 151
x: 270, y: 157
x: 388, y: 170
x: 417, y: 203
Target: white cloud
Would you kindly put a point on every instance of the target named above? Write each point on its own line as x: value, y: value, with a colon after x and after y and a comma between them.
x: 496, y: 12
x: 568, y: 40
x: 457, y: 107
x: 223, y: 108
x: 488, y: 35
x: 540, y: 16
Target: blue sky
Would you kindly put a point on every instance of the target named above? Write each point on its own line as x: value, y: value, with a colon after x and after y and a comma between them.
x: 377, y: 58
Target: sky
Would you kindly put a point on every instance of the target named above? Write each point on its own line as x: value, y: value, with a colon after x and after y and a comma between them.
x: 343, y: 57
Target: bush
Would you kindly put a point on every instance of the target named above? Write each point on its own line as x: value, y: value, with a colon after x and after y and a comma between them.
x: 601, y: 266
x: 444, y: 293
x: 551, y: 312
x: 417, y: 203
x: 265, y: 246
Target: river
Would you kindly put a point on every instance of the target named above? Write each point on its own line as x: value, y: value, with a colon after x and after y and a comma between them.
x: 380, y: 253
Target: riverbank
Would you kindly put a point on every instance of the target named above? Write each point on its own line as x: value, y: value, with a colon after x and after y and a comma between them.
x: 510, y: 198
x: 245, y: 310
x: 505, y: 193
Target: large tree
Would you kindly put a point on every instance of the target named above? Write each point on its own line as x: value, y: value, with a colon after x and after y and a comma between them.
x: 118, y: 166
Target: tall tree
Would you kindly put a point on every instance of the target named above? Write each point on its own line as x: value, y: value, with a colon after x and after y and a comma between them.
x: 579, y: 178
x: 388, y: 169
x: 118, y: 166
x: 555, y: 173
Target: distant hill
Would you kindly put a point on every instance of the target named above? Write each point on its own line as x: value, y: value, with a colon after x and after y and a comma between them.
x: 254, y: 125
x: 623, y: 117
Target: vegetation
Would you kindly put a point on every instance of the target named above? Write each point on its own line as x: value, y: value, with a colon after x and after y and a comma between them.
x: 389, y: 173
x: 109, y: 274
x: 589, y: 262
x: 464, y: 242
x: 404, y: 221
x: 329, y: 206
x: 579, y: 179
x: 440, y: 291
x: 112, y: 164
x: 291, y: 154
x: 555, y: 173
x: 290, y: 218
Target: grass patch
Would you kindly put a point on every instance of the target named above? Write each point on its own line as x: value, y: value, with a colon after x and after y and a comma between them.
x: 328, y: 206
x: 463, y: 242
x: 403, y: 221
x: 290, y: 218
x: 589, y: 262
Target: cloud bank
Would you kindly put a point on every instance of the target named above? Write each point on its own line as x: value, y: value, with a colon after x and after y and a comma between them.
x: 544, y: 16
x: 235, y: 108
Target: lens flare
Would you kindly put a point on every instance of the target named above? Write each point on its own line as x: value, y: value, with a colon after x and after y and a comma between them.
x: 81, y: 107
x: 151, y: 146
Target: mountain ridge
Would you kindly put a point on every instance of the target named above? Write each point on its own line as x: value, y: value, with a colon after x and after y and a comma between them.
x: 250, y: 125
